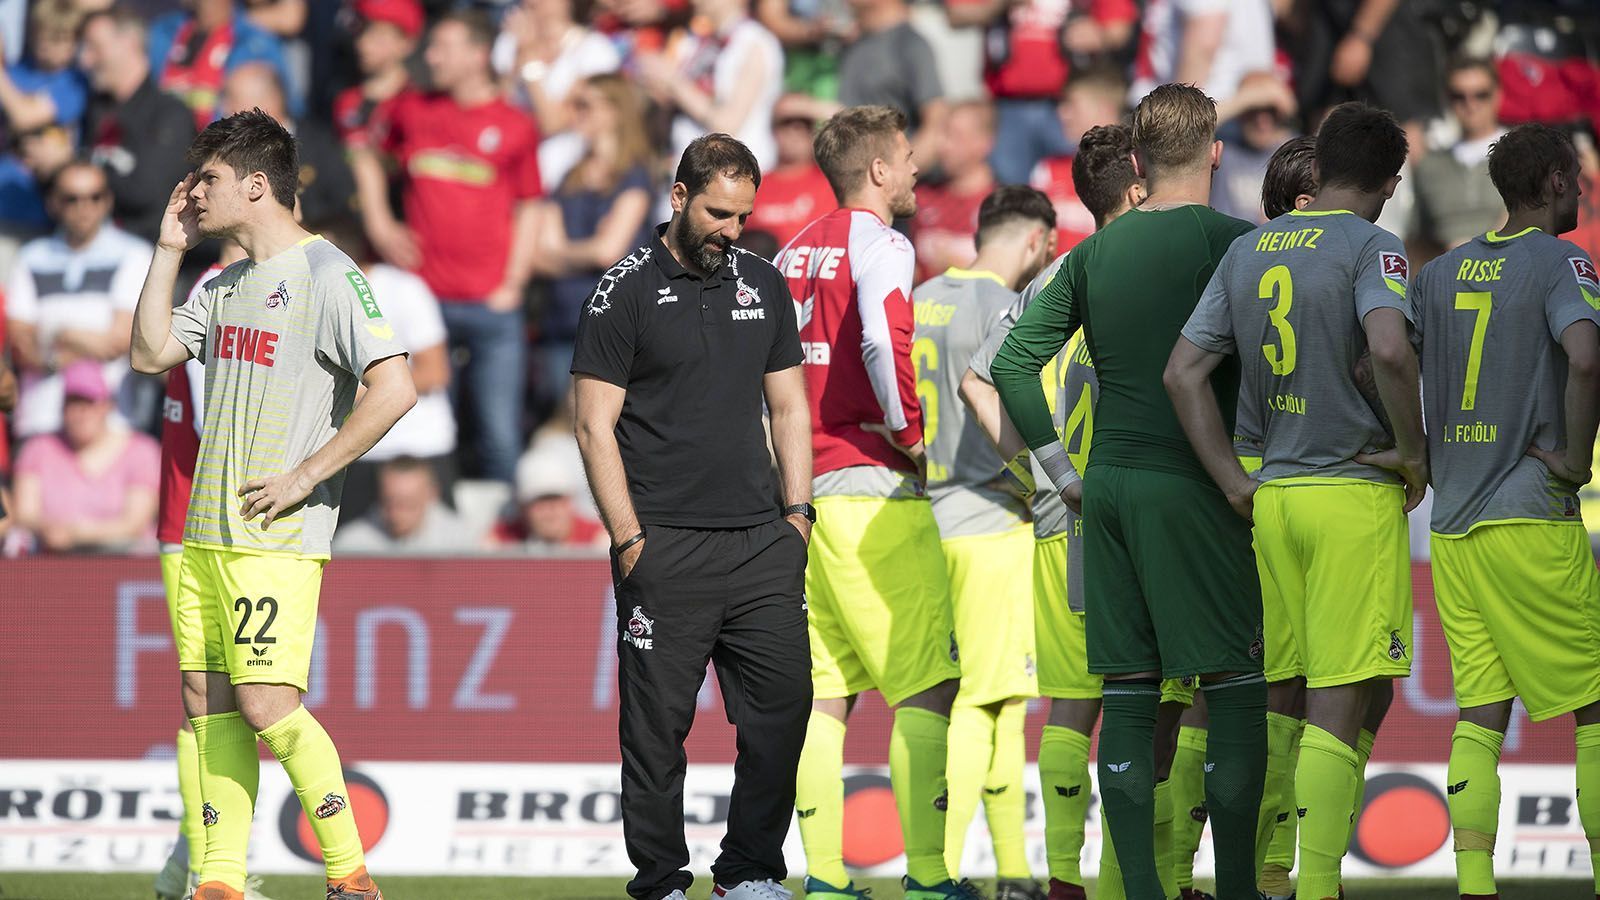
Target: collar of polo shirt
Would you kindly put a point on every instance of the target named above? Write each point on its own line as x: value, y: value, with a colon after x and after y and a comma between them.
x: 670, y: 267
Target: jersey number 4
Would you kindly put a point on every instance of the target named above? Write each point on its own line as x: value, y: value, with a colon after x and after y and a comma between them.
x: 266, y: 606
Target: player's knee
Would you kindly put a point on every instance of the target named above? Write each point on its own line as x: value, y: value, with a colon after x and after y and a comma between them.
x: 1497, y: 716
x: 1287, y: 697
x: 938, y: 698
x: 1588, y: 715
x: 263, y: 705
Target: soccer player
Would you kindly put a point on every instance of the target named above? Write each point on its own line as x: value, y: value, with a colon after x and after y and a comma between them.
x: 287, y: 336
x: 1103, y: 177
x: 982, y: 512
x: 1300, y: 300
x: 879, y: 599
x: 1511, y: 379
x: 1169, y: 580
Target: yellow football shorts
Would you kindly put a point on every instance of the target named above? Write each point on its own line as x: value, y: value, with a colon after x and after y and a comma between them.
x: 991, y: 592
x: 1520, y: 606
x: 255, y: 614
x: 1337, y: 556
x: 1282, y: 657
x: 878, y: 600
x: 191, y: 641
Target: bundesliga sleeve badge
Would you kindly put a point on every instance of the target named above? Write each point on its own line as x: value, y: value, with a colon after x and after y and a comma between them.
x: 1396, y: 271
x: 1588, y: 280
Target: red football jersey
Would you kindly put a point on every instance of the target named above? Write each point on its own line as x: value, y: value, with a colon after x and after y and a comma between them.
x: 850, y: 275
x: 180, y: 439
x: 789, y: 200
x: 466, y: 169
x: 360, y: 122
x: 1074, y: 222
x: 944, y: 229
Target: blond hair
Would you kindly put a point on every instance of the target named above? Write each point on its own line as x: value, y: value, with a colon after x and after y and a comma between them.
x: 1174, y: 127
x: 849, y: 142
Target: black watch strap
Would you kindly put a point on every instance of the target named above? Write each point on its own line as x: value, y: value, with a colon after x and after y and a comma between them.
x: 801, y: 509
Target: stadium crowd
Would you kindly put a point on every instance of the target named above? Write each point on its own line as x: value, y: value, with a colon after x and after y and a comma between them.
x: 486, y: 163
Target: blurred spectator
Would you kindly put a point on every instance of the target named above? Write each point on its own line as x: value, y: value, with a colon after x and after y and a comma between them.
x: 1209, y: 43
x: 1092, y: 97
x: 891, y: 64
x: 387, y: 37
x: 1455, y: 201
x: 470, y: 191
x: 407, y: 518
x: 593, y: 218
x: 1251, y: 138
x: 137, y: 132
x: 327, y: 189
x: 71, y: 296
x: 1026, y: 65
x: 726, y: 79
x: 547, y: 516
x: 42, y: 91
x: 40, y: 154
x: 947, y: 209
x: 1381, y: 51
x: 285, y: 18
x: 794, y: 192
x: 428, y: 432
x: 192, y: 52
x: 812, y: 33
x: 543, y: 52
x: 93, y: 485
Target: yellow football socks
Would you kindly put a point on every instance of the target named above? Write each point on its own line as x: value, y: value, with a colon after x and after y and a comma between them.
x: 971, y: 743
x: 191, y: 825
x: 1588, y: 739
x: 312, y: 764
x: 819, y: 799
x: 917, y: 751
x: 1108, y: 885
x: 1188, y: 801
x: 1281, y: 734
x: 1274, y: 881
x: 1064, y: 782
x: 1166, y: 867
x: 1474, y: 798
x: 1325, y: 787
x: 1005, y: 800
x: 229, y: 776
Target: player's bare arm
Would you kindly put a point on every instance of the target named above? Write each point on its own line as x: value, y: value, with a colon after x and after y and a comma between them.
x: 598, y: 406
x: 790, y: 416
x: 984, y: 401
x: 1394, y: 367
x: 153, y: 349
x: 1188, y: 382
x: 389, y: 395
x: 1572, y: 461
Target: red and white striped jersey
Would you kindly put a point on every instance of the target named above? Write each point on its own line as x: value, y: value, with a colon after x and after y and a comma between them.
x: 850, y: 276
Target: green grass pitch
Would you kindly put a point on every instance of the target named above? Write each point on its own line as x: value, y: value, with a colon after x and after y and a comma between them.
x: 40, y: 886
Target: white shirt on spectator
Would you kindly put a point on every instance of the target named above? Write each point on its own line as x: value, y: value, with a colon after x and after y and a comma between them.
x: 584, y: 53
x: 54, y: 287
x: 429, y: 429
x: 1247, y: 44
x: 727, y: 59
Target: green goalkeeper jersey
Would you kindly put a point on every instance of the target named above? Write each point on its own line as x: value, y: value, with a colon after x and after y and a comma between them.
x: 1130, y: 286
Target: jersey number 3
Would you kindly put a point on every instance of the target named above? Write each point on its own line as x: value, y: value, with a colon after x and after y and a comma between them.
x: 1276, y: 283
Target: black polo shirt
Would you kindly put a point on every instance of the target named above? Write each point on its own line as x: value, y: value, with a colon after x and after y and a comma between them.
x: 691, y: 354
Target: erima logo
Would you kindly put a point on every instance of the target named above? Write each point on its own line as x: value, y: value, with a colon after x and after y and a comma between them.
x: 1120, y: 767
x: 1300, y: 812
x: 208, y: 815
x: 806, y: 813
x: 259, y: 651
x: 1210, y: 767
x: 1072, y: 791
x: 1456, y: 788
x: 1397, y: 647
x: 665, y: 295
x: 995, y: 792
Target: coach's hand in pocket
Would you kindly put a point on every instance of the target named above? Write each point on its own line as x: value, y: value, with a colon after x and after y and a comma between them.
x: 802, y: 525
x: 271, y: 497
x: 629, y: 558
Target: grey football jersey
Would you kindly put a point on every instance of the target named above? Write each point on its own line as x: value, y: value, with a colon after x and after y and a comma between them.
x: 1289, y: 298
x: 284, y: 342
x: 1491, y: 313
x: 954, y: 312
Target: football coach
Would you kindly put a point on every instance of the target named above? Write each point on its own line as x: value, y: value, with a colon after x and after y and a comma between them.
x: 679, y: 345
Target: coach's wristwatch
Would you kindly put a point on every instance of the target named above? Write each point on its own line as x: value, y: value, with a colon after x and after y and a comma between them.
x: 801, y: 509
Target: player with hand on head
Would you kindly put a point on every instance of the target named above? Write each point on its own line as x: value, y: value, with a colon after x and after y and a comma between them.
x: 287, y: 336
x: 1104, y: 178
x: 1170, y: 587
x: 1510, y: 325
x: 982, y: 511
x: 878, y: 596
x: 1297, y: 302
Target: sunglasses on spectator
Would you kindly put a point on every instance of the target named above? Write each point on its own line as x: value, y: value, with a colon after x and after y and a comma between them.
x: 1482, y: 96
x: 74, y: 199
x: 795, y: 121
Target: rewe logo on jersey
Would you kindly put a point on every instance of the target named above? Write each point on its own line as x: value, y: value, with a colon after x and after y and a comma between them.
x: 251, y: 345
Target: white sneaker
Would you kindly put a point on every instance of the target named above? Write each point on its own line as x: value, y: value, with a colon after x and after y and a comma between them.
x: 675, y: 895
x: 754, y: 890
x: 252, y: 889
x: 172, y: 882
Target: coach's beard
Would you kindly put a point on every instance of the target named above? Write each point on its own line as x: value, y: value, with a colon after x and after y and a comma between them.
x: 705, y: 258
